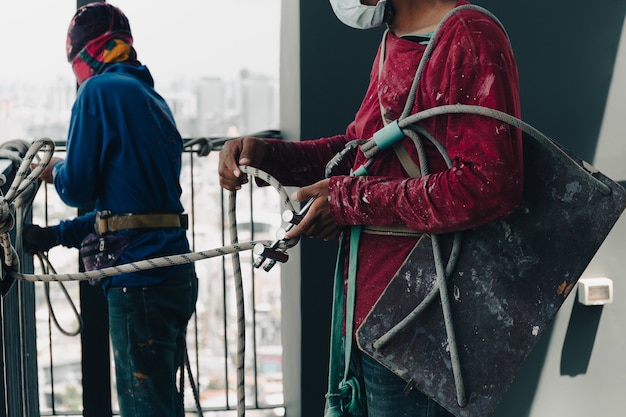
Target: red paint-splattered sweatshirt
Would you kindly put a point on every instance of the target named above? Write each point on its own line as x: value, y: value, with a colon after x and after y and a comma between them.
x: 472, y: 64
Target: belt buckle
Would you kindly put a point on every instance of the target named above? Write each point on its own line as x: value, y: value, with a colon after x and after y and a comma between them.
x: 101, y: 224
x: 184, y: 221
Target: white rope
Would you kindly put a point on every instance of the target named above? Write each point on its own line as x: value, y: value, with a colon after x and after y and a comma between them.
x: 22, y: 181
x: 24, y: 178
x: 241, y: 311
x: 140, y: 265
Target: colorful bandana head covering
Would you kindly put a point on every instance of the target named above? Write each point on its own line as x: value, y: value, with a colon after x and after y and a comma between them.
x: 99, y: 35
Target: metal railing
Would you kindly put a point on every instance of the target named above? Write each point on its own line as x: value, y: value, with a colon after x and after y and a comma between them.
x: 61, y: 367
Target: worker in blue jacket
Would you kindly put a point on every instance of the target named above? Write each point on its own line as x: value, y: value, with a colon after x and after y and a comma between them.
x: 124, y: 157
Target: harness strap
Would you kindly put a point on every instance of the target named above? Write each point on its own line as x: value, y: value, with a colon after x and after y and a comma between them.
x: 408, y: 164
x: 344, y: 391
x: 391, y: 231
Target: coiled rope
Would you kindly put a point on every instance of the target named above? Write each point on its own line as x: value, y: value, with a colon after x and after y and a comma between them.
x: 24, y: 178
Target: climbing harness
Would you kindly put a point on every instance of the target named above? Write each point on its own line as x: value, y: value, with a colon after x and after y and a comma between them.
x: 46, y: 266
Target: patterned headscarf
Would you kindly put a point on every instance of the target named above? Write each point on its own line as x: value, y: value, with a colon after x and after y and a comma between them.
x: 99, y: 35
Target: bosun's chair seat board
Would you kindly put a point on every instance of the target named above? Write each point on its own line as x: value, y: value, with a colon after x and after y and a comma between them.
x: 511, y: 278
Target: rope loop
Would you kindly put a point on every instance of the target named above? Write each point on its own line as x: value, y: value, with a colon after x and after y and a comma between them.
x: 24, y: 178
x: 205, y: 146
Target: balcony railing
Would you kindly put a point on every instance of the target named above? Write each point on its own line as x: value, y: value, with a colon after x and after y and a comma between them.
x: 60, y: 370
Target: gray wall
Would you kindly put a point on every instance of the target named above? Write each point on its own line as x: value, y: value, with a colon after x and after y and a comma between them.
x: 573, y: 80
x: 573, y: 88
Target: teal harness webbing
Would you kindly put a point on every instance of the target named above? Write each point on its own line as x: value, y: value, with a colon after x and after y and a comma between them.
x: 344, y: 393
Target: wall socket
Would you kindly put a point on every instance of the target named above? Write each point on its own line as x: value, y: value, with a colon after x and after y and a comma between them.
x: 595, y: 291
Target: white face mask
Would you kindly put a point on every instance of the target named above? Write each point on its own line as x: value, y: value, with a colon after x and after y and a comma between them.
x: 357, y: 15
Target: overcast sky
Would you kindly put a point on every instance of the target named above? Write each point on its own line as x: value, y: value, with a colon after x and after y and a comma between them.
x: 186, y: 38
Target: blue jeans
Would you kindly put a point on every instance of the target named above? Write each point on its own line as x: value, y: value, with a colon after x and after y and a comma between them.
x: 385, y: 395
x: 148, y: 326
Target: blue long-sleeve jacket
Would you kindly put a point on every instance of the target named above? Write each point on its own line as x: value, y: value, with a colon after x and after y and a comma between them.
x: 123, y: 155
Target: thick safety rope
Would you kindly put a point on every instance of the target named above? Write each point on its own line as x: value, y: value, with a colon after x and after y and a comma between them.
x: 194, y: 388
x: 241, y: 322
x: 142, y: 265
x: 46, y: 266
x: 13, y: 150
x: 241, y: 313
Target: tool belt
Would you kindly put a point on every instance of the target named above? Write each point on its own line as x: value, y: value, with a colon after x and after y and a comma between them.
x: 106, y: 222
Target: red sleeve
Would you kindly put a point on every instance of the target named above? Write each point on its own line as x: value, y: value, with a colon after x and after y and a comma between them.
x: 303, y: 163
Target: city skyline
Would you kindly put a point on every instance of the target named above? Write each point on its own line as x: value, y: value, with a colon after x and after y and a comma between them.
x: 37, y: 86
x: 195, y: 39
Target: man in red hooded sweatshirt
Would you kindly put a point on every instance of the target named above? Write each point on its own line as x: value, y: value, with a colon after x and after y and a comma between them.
x: 472, y: 63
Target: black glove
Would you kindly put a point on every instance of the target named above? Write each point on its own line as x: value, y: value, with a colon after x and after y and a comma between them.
x: 38, y: 239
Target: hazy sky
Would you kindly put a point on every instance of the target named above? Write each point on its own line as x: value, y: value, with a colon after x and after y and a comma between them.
x: 185, y: 38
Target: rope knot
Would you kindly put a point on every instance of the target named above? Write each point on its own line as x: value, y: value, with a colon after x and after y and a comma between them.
x: 350, y: 400
x: 350, y: 391
x: 205, y: 146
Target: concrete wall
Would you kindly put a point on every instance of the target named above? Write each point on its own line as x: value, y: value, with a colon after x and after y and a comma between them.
x: 572, y: 72
x: 573, y: 79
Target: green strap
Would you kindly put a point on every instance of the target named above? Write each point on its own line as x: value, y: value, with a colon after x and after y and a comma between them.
x: 344, y: 393
x: 334, y: 376
x: 355, y: 235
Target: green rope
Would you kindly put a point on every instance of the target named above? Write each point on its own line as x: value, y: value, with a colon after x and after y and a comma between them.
x: 344, y: 395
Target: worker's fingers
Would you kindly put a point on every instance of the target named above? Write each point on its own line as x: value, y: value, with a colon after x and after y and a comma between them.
x: 237, y: 152
x: 318, y: 222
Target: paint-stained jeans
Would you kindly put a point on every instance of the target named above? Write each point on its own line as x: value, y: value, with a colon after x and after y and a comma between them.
x: 147, y: 326
x: 385, y: 396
